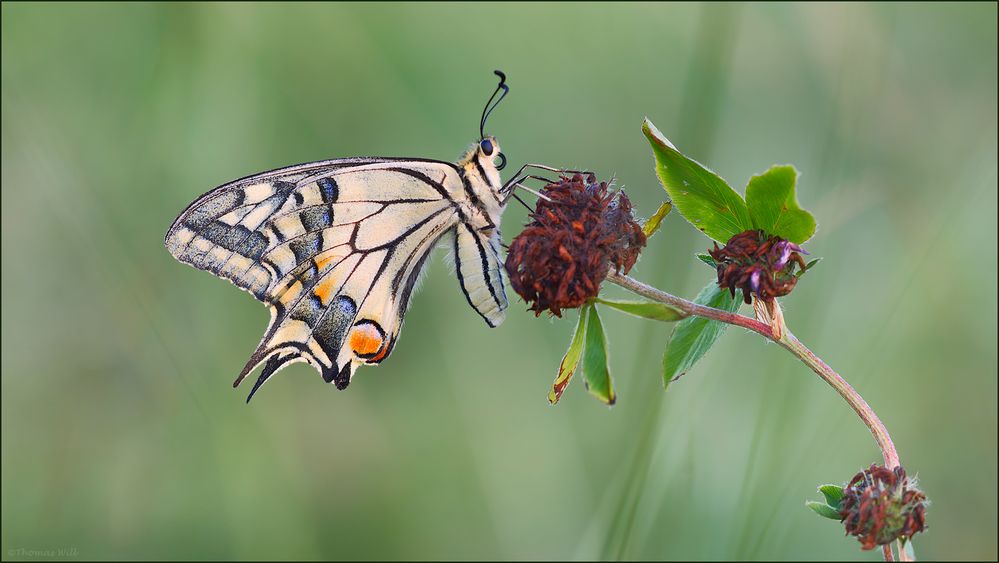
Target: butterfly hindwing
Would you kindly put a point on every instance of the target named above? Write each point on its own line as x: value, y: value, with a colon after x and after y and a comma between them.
x: 333, y: 248
x: 480, y: 271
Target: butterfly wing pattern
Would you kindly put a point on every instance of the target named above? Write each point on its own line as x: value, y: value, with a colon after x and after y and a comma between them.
x: 334, y: 249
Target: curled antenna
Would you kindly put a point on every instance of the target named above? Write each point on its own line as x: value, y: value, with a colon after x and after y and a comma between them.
x: 490, y: 106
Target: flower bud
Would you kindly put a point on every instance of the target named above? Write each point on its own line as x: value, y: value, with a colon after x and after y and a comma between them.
x: 881, y: 505
x: 572, y: 238
x: 758, y: 264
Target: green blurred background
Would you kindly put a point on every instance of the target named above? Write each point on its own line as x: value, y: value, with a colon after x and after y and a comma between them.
x: 122, y: 437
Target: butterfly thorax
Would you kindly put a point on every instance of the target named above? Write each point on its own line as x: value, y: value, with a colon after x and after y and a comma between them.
x: 482, y: 184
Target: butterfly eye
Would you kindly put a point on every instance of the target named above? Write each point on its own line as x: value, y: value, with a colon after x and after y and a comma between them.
x: 487, y: 147
x: 502, y: 163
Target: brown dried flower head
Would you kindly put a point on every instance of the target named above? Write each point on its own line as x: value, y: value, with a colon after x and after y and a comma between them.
x: 881, y: 505
x: 561, y: 257
x: 758, y: 264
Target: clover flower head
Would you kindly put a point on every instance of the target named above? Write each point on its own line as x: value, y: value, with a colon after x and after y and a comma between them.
x: 881, y: 505
x: 759, y: 264
x: 574, y: 235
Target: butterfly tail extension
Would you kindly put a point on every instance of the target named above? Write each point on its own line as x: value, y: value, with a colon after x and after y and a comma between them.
x: 275, y: 361
x: 340, y: 379
x: 310, y: 332
x: 273, y: 365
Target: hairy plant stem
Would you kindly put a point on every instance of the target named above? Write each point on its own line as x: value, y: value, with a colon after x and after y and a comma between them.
x: 791, y: 344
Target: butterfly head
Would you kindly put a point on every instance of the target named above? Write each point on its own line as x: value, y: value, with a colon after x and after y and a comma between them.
x: 481, y: 164
x: 488, y: 153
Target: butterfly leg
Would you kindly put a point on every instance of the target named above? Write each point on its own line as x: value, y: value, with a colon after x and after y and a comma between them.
x: 549, y: 169
x: 520, y: 176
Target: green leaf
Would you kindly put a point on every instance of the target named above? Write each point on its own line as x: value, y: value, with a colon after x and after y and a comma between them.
x: 571, y: 358
x: 807, y: 267
x: 694, y: 336
x: 833, y: 494
x: 823, y: 509
x: 707, y: 259
x: 652, y: 225
x: 704, y: 199
x: 595, y: 371
x: 774, y: 207
x: 645, y: 309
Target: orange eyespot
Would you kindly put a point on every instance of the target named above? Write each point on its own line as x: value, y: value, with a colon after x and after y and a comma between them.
x: 367, y: 339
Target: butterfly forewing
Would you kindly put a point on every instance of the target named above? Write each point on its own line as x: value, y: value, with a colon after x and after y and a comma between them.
x: 333, y: 248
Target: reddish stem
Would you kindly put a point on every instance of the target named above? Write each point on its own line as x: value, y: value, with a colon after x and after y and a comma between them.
x: 791, y: 344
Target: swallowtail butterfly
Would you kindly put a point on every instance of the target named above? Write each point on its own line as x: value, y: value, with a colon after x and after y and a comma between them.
x: 334, y: 248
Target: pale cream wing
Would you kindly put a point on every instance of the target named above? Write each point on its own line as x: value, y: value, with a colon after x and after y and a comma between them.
x: 333, y: 248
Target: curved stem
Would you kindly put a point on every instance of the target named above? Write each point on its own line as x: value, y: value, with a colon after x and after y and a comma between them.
x: 789, y: 342
x: 851, y: 395
x: 793, y: 345
x: 689, y: 307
